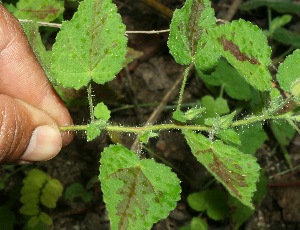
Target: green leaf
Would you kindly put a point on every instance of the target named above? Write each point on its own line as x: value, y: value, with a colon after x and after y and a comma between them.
x: 33, y: 221
x: 188, y: 40
x: 246, y: 48
x: 45, y: 218
x: 228, y: 77
x: 288, y: 71
x: 102, y: 112
x: 35, y: 178
x: 238, y: 172
x: 31, y: 29
x: 283, y: 132
x: 30, y: 209
x: 93, y: 131
x: 241, y: 212
x: 92, y: 46
x: 44, y: 10
x: 76, y: 190
x: 276, y: 100
x: 31, y: 198
x: 279, y: 22
x: 287, y: 37
x: 252, y: 138
x: 198, y: 224
x: 137, y: 192
x: 214, y: 106
x: 178, y: 115
x: 51, y: 193
x: 144, y: 138
x: 193, y: 113
x: 229, y: 136
x: 286, y: 6
x: 214, y: 202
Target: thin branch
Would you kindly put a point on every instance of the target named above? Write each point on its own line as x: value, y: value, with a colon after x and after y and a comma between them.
x: 57, y: 25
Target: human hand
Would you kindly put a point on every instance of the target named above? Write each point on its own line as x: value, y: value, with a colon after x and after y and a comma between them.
x: 30, y: 109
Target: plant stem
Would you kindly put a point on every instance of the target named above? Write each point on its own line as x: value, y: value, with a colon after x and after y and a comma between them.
x: 172, y: 126
x: 186, y: 72
x: 90, y: 99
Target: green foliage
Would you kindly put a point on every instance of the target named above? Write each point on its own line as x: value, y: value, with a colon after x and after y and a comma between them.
x: 95, y: 48
x: 214, y: 202
x: 288, y: 71
x: 136, y: 197
x: 246, y: 48
x: 188, y: 41
x: 91, y: 48
x: 44, y: 10
x: 238, y: 172
x: 76, y: 190
x: 7, y: 217
x: 228, y: 77
x: 286, y: 6
x: 251, y: 137
x: 39, y: 190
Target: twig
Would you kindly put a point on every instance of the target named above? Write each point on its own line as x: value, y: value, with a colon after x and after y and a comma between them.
x: 58, y: 25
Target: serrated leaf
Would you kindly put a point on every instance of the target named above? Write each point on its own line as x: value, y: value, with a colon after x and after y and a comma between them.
x: 144, y: 138
x: 95, y: 43
x: 102, y: 112
x: 44, y: 10
x: 238, y: 172
x: 31, y: 198
x: 246, y: 48
x: 252, y: 138
x: 193, y: 113
x: 31, y: 29
x: 178, y: 115
x: 276, y: 100
x: 228, y: 77
x: 229, y: 136
x: 51, y: 192
x: 137, y: 192
x: 93, y: 131
x: 288, y: 71
x: 188, y: 40
x: 45, y: 218
x: 226, y: 120
x: 29, y: 209
x: 35, y: 177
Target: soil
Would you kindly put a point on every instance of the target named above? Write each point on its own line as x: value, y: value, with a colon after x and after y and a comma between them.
x: 145, y: 82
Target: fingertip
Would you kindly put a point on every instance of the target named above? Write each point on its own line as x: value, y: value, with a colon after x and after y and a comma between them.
x: 45, y: 143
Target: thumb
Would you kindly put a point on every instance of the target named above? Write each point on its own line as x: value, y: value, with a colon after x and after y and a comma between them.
x: 26, y: 132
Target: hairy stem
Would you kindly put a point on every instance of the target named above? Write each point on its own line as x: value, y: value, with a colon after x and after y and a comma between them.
x: 186, y: 72
x: 172, y: 126
x: 91, y: 105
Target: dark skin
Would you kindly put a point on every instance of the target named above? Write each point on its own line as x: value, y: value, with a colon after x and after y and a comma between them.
x: 31, y: 111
